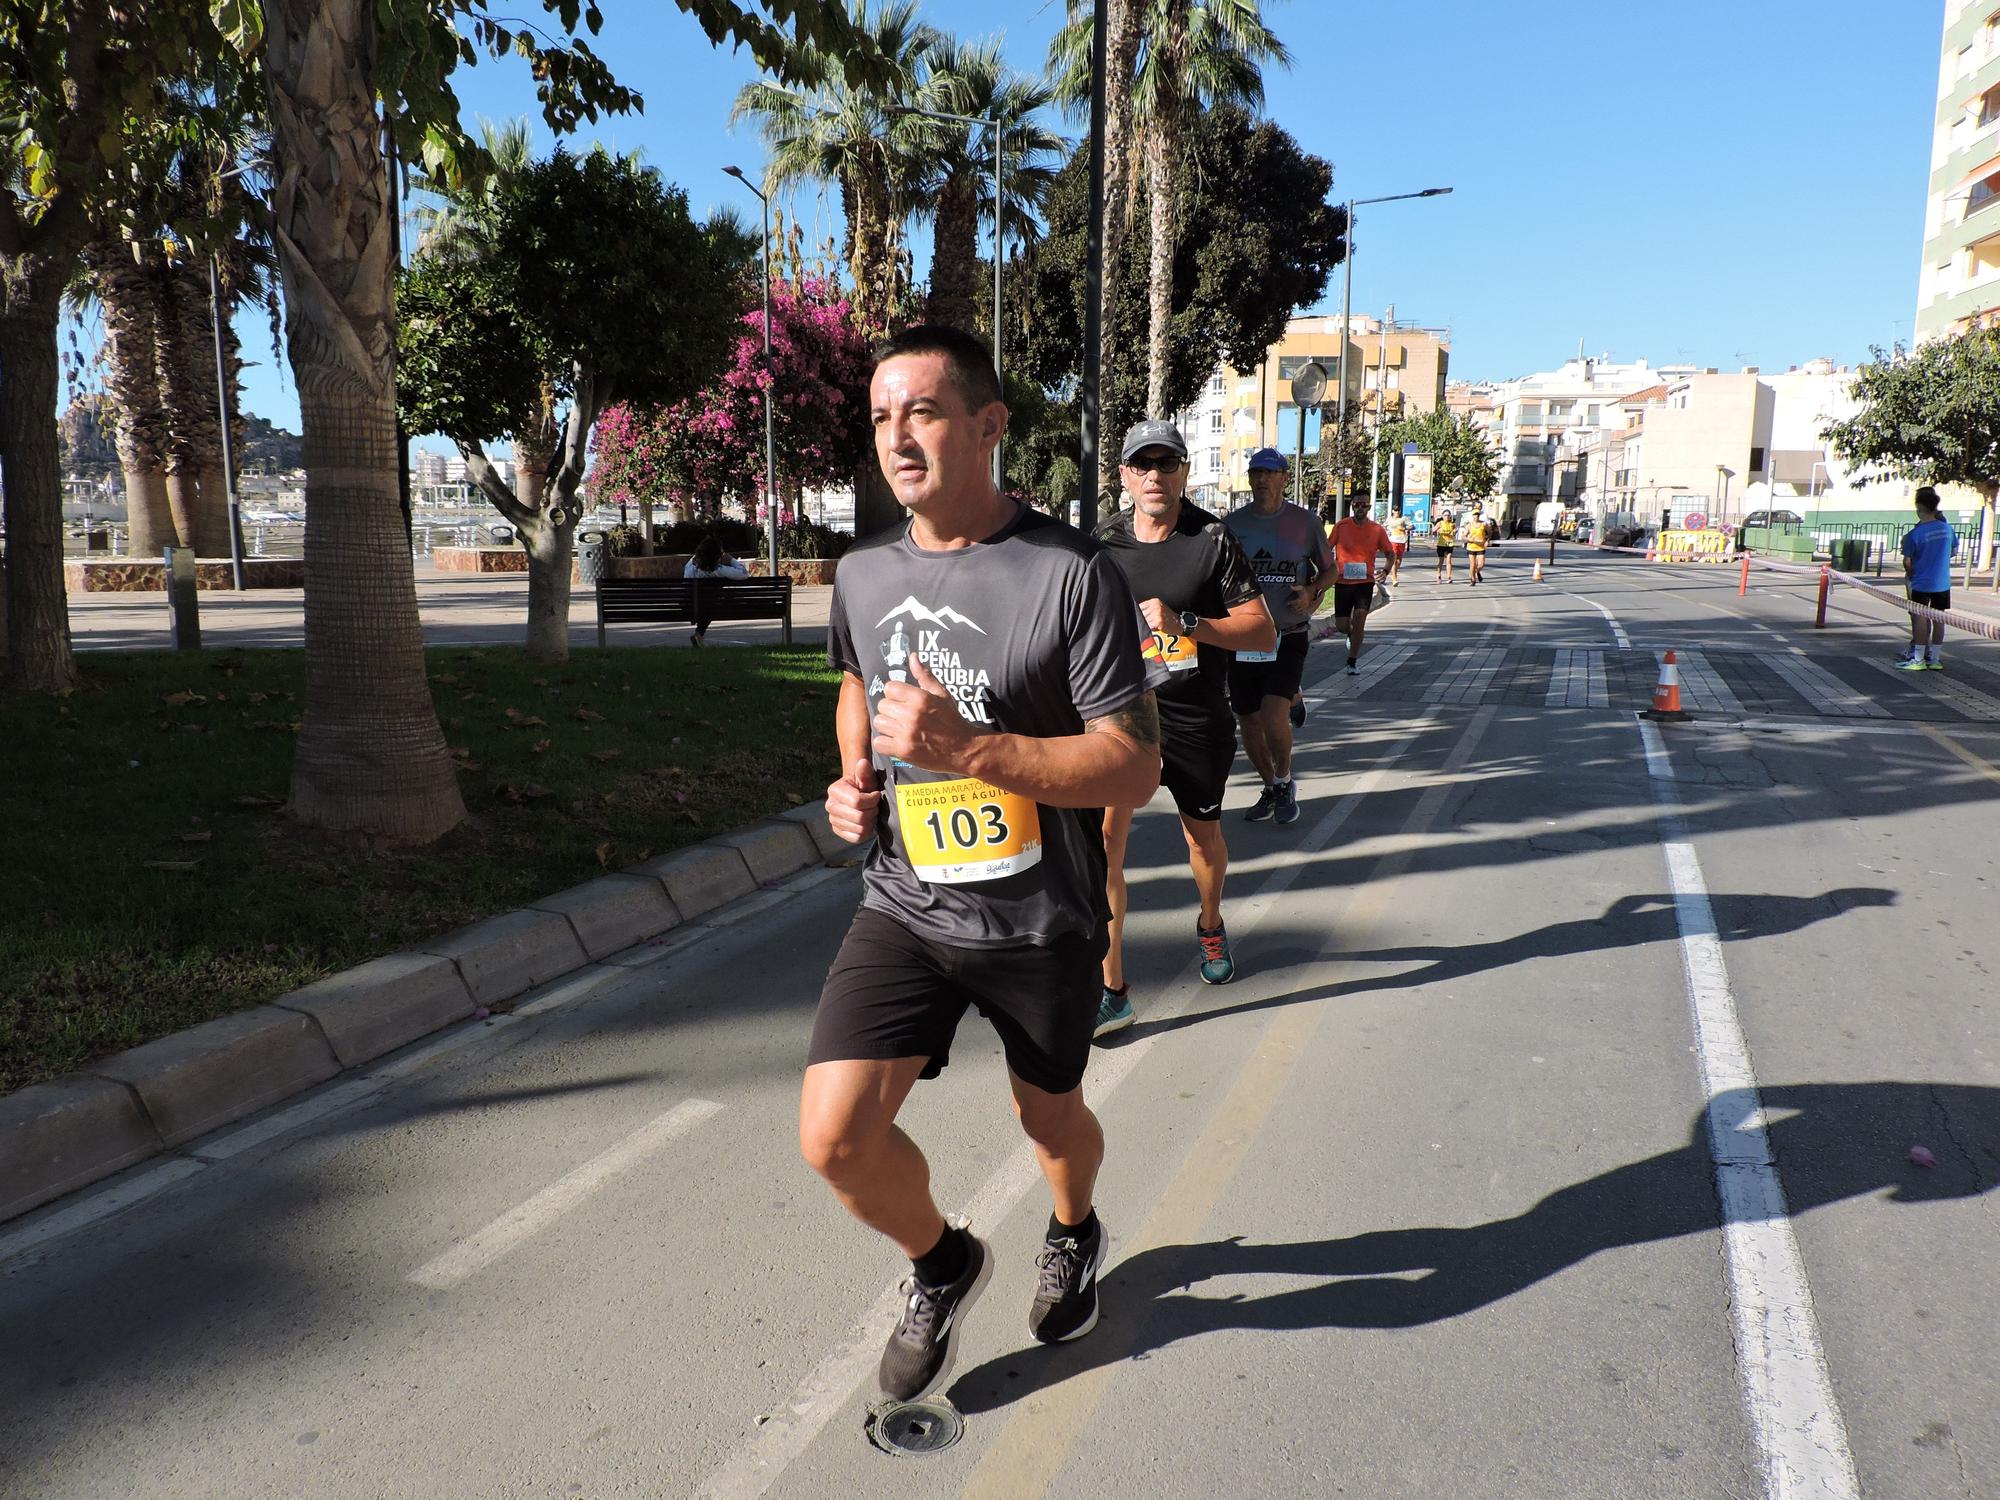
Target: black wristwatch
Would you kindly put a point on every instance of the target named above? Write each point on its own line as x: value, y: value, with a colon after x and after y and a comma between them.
x: 1189, y: 619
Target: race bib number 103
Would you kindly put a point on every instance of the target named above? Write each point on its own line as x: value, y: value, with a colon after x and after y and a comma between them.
x: 956, y: 832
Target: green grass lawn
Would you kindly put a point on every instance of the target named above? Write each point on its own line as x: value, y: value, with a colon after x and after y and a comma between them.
x: 151, y: 880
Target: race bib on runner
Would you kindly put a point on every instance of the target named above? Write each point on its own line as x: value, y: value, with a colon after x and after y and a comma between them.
x: 1177, y: 653
x: 1354, y: 572
x: 956, y: 832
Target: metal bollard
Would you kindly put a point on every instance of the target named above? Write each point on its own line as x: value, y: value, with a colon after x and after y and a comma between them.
x: 183, y: 599
x: 1743, y: 583
x: 1825, y: 580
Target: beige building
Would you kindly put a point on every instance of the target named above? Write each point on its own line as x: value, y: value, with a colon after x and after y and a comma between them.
x: 1958, y: 284
x: 1394, y: 369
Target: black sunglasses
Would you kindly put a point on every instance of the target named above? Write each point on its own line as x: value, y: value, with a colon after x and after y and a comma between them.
x: 1165, y: 463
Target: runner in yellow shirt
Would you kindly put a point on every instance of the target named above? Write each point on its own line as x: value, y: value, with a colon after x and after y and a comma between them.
x: 1478, y: 532
x: 1447, y: 535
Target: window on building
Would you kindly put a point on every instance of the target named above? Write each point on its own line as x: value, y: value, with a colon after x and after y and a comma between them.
x: 1560, y: 409
x: 1215, y: 386
x: 1982, y: 194
x: 1756, y: 460
x: 1531, y: 413
x: 1592, y: 412
x: 1215, y: 460
x: 1215, y: 421
x: 1395, y: 379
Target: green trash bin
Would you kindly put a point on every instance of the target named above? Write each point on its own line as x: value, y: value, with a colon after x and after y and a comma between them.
x: 1849, y: 554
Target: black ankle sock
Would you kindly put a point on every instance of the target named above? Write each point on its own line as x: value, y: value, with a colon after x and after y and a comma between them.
x: 1121, y: 992
x: 1087, y: 1230
x: 945, y: 1261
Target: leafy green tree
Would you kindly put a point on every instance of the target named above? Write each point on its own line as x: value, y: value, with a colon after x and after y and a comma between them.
x: 592, y: 284
x: 75, y: 75
x: 1461, y: 459
x: 1343, y: 454
x: 1931, y: 414
x: 1258, y: 242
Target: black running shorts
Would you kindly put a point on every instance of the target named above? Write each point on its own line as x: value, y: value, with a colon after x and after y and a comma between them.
x: 1931, y: 598
x: 1251, y: 682
x: 1348, y: 597
x: 1194, y: 767
x: 895, y: 993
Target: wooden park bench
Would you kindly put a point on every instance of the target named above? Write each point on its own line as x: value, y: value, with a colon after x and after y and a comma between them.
x: 671, y: 601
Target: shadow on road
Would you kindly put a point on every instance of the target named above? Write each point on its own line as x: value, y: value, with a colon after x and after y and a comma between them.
x: 1628, y: 922
x: 1834, y: 1141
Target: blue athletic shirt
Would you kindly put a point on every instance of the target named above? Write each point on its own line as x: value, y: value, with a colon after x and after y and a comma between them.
x: 1928, y: 545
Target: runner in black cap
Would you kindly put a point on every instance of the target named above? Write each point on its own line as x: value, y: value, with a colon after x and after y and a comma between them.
x: 1201, y: 602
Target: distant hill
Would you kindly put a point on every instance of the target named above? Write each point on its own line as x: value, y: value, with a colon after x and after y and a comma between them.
x: 89, y: 450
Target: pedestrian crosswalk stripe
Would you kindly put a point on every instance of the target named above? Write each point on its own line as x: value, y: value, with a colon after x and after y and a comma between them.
x: 1702, y: 688
x: 1825, y: 692
x: 1577, y: 680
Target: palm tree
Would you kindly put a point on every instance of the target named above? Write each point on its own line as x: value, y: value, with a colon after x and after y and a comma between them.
x: 856, y: 141
x: 372, y: 761
x: 1069, y: 60
x: 971, y: 80
x: 1197, y: 54
x: 120, y: 276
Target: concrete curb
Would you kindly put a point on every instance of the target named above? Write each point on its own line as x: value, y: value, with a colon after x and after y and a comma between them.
x: 70, y: 1132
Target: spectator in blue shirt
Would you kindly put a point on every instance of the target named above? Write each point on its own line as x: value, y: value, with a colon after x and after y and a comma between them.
x: 1927, y: 549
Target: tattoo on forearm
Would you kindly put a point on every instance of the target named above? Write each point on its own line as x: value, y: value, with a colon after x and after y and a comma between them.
x: 1140, y: 719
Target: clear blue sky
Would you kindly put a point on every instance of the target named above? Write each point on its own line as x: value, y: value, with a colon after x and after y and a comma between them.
x: 1722, y: 183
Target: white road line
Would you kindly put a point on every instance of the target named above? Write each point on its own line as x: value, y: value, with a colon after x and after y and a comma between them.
x: 1617, y: 631
x: 525, y: 1220
x: 826, y: 1388
x: 1787, y: 1391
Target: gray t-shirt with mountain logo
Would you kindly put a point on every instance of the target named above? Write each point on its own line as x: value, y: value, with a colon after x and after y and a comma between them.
x: 1033, y: 632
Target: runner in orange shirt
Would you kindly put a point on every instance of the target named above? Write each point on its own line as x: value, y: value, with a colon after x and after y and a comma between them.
x: 1357, y: 542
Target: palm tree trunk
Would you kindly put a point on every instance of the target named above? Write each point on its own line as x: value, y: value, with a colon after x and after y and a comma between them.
x: 39, y: 655
x: 1162, y: 173
x: 131, y: 334
x: 1121, y: 57
x: 954, y: 296
x: 869, y: 264
x: 371, y: 758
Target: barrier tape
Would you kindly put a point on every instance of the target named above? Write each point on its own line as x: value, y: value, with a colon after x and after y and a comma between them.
x: 1976, y: 625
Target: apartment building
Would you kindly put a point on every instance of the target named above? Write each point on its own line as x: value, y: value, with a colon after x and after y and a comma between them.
x: 1394, y: 369
x: 1958, y: 284
x: 1542, y: 421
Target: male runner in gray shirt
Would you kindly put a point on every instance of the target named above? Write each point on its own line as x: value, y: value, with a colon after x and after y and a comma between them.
x: 994, y: 700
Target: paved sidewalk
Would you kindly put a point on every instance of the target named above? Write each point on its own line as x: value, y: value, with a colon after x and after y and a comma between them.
x: 459, y: 609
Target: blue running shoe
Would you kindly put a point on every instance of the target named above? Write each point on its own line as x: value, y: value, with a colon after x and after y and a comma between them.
x: 1288, y: 802
x: 1267, y: 803
x: 1217, y: 967
x: 1114, y: 1012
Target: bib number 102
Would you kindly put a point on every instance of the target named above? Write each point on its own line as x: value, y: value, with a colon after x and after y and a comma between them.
x: 967, y: 830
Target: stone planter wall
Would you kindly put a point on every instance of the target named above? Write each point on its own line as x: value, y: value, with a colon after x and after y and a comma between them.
x: 125, y: 575
x: 801, y: 570
x: 659, y: 565
x: 487, y: 560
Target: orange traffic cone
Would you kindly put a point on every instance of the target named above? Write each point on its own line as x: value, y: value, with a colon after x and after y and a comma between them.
x: 1667, y: 693
x: 1538, y: 570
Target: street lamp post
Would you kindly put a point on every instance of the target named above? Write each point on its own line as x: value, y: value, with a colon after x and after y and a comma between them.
x: 1347, y: 306
x: 999, y: 129
x: 770, y: 382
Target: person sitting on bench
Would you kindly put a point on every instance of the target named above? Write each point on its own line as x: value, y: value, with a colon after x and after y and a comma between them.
x: 709, y: 561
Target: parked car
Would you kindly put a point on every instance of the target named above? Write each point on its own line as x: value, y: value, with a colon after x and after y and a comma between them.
x: 1774, y: 518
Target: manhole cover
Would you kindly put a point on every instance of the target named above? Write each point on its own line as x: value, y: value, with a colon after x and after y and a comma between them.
x: 906, y: 1427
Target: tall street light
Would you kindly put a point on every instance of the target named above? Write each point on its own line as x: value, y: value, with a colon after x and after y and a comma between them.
x: 998, y: 127
x: 770, y: 381
x: 1347, y: 301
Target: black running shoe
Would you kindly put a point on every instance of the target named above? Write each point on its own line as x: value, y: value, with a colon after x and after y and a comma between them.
x: 918, y: 1357
x: 1066, y: 1297
x: 1298, y: 713
x: 1288, y: 802
x: 1267, y: 803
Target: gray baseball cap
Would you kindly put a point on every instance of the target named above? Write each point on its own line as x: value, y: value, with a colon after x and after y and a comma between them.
x: 1143, y: 435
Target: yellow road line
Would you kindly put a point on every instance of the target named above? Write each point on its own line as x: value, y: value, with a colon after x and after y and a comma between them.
x: 1984, y: 767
